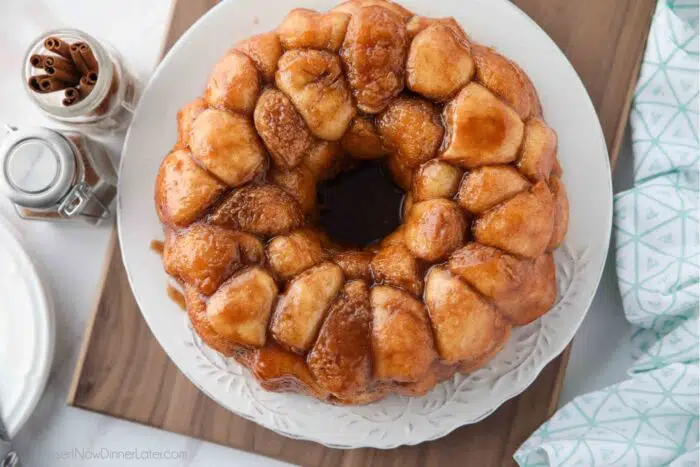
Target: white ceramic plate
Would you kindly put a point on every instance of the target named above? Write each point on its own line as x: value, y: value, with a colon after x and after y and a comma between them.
x: 396, y: 420
x: 26, y: 332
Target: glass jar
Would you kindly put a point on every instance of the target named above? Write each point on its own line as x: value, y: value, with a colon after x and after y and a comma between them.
x: 56, y: 176
x: 109, y: 105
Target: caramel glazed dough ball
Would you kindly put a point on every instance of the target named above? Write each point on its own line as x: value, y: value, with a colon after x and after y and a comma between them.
x: 460, y: 129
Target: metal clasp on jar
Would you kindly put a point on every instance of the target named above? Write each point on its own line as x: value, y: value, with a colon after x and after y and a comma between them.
x: 81, y: 201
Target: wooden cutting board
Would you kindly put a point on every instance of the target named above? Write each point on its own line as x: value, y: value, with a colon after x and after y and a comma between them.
x: 122, y: 371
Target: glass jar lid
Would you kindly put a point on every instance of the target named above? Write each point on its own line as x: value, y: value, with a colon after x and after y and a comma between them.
x: 38, y: 167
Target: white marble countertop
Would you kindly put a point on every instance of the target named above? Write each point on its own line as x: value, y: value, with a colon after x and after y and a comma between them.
x: 58, y: 435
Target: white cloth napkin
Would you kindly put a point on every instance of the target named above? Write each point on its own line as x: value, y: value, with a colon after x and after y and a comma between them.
x: 652, y: 418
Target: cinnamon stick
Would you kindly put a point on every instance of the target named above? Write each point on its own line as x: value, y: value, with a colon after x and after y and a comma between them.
x: 86, y: 85
x: 78, y: 59
x: 72, y: 93
x: 51, y: 84
x: 71, y: 79
x: 72, y: 96
x: 84, y: 90
x: 60, y: 63
x: 34, y: 82
x: 57, y: 46
x: 88, y: 57
x: 44, y: 84
x: 38, y: 61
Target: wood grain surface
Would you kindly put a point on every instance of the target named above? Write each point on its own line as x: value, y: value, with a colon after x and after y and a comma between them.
x: 123, y: 371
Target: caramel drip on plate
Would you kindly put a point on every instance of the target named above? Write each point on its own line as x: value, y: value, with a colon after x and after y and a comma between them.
x: 157, y: 246
x: 176, y: 296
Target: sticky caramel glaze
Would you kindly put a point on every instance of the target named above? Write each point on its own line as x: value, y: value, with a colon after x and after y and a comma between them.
x: 177, y: 297
x: 174, y: 294
x: 341, y: 360
x: 484, y: 204
x: 279, y: 370
x: 374, y: 56
x: 157, y: 246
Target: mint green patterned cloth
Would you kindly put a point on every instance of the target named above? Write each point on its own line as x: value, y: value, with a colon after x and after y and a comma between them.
x: 650, y: 419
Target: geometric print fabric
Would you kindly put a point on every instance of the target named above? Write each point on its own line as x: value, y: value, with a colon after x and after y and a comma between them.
x: 652, y: 418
